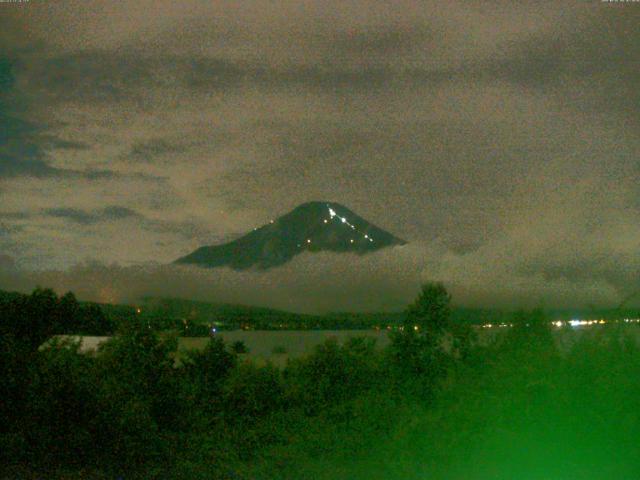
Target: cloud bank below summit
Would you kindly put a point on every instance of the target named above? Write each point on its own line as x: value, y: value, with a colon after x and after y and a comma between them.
x: 386, y: 280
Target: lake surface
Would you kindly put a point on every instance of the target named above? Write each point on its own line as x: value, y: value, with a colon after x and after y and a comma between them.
x: 277, y: 346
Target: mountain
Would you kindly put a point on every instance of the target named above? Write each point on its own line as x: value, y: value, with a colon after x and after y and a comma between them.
x: 310, y: 227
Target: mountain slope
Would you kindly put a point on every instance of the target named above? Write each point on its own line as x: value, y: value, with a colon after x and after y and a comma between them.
x: 310, y: 227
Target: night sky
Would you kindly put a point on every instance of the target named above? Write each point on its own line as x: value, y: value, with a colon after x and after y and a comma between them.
x: 500, y: 139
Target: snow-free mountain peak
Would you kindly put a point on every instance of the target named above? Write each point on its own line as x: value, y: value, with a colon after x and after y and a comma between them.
x: 310, y: 227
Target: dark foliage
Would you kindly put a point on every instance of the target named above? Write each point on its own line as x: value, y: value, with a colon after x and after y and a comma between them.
x: 435, y: 404
x: 239, y: 347
x: 32, y: 319
x: 420, y: 349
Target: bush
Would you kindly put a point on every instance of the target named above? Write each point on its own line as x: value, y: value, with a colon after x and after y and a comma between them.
x: 239, y: 347
x: 63, y: 392
x: 251, y: 392
x: 333, y: 373
x: 206, y: 372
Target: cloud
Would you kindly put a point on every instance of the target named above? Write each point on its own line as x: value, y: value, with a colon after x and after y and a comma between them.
x: 116, y: 213
x: 385, y: 280
x: 20, y: 152
x: 26, y: 146
x: 496, y: 133
x: 149, y: 150
x: 14, y: 215
x: 84, y: 217
x: 6, y: 262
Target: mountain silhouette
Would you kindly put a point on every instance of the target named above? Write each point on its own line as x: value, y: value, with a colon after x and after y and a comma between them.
x: 310, y: 227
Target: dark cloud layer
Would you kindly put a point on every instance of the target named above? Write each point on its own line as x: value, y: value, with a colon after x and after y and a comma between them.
x: 85, y: 218
x: 500, y: 138
x: 313, y: 283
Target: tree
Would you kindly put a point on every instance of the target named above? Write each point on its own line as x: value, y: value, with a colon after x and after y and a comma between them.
x: 31, y: 319
x: 333, y: 374
x: 239, y: 347
x: 68, y: 314
x: 430, y: 312
x: 61, y: 407
x: 419, y: 348
x: 251, y: 392
x: 93, y: 321
x: 207, y: 370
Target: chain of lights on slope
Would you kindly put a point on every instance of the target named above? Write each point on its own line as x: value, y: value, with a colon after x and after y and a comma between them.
x: 332, y: 215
